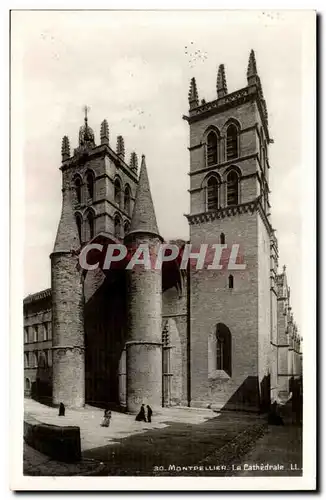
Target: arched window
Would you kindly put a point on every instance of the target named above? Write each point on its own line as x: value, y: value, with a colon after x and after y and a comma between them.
x: 231, y: 281
x: 232, y: 142
x: 117, y: 226
x: 90, y: 185
x: 223, y: 348
x: 79, y: 222
x: 222, y: 239
x: 232, y: 188
x: 26, y: 360
x: 45, y: 331
x: 117, y: 191
x: 91, y: 225
x: 212, y: 193
x: 212, y: 145
x: 127, y: 197
x: 35, y: 360
x: 78, y: 186
x: 26, y: 334
x: 126, y: 227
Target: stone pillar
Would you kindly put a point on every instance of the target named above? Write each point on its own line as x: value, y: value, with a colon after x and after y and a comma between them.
x: 68, y: 356
x: 144, y: 342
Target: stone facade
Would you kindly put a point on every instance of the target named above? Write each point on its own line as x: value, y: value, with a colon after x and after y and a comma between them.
x: 207, y: 337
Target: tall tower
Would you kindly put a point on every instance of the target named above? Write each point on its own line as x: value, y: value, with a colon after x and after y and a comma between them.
x: 230, y: 310
x: 67, y: 311
x: 98, y: 196
x: 104, y: 185
x: 144, y: 289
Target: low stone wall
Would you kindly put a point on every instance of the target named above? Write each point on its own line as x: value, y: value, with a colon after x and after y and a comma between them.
x: 59, y: 443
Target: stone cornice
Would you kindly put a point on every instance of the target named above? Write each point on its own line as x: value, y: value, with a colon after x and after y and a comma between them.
x: 102, y: 150
x: 228, y: 101
x: 234, y: 161
x: 221, y: 213
x: 44, y: 294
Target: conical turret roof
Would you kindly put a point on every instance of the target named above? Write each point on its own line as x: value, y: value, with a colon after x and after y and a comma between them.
x: 143, y: 217
x: 67, y: 239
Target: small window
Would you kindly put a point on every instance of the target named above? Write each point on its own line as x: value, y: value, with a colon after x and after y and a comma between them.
x: 126, y: 227
x: 231, y: 281
x: 90, y: 185
x: 212, y: 145
x: 232, y: 188
x: 90, y: 223
x: 26, y: 360
x: 27, y: 384
x: 212, y: 193
x: 78, y: 185
x: 117, y: 192
x: 117, y: 227
x: 223, y: 349
x: 26, y: 334
x: 35, y: 360
x: 222, y: 239
x: 35, y: 331
x: 232, y: 142
x: 45, y: 331
x: 79, y: 223
x: 127, y: 197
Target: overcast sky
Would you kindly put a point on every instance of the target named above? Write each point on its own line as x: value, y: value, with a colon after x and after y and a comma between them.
x: 132, y: 69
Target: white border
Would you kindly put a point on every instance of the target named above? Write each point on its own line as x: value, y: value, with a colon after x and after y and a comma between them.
x: 18, y: 481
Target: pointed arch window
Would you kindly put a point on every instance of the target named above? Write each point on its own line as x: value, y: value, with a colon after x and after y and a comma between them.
x: 232, y: 142
x: 90, y: 185
x: 79, y: 222
x: 90, y: 225
x: 212, y: 193
x: 126, y: 227
x: 232, y: 188
x: 117, y: 191
x: 127, y: 197
x: 212, y: 149
x: 78, y: 189
x: 223, y: 348
x: 117, y: 226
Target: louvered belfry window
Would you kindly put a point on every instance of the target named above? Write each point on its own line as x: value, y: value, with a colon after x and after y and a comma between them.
x: 212, y: 193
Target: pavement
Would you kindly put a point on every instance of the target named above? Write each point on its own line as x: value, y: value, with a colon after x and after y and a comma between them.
x: 122, y: 425
x: 277, y: 453
x: 177, y: 437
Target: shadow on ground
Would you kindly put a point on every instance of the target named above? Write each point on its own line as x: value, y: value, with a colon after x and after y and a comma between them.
x: 177, y: 445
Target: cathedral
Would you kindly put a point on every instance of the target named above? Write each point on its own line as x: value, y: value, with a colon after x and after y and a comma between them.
x: 208, y: 338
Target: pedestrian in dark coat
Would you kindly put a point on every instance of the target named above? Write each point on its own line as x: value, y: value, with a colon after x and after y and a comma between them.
x: 62, y: 410
x: 141, y: 417
x: 149, y: 413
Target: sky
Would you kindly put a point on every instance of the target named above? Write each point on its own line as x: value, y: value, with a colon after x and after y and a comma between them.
x: 133, y: 69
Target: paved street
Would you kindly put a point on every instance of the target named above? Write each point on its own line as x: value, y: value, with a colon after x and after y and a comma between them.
x: 200, y: 442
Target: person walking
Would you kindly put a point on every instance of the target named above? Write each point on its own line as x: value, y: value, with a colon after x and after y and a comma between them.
x: 149, y: 413
x: 141, y: 417
x: 106, y: 419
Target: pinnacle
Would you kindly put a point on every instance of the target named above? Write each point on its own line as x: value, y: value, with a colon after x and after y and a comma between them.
x: 221, y: 81
x: 252, y: 66
x: 143, y: 218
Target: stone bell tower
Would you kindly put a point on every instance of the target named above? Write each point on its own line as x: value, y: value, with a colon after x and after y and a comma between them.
x: 231, y: 319
x: 68, y: 356
x: 144, y: 338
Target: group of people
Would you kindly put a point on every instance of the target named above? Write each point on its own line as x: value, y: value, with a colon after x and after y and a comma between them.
x: 142, y: 417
